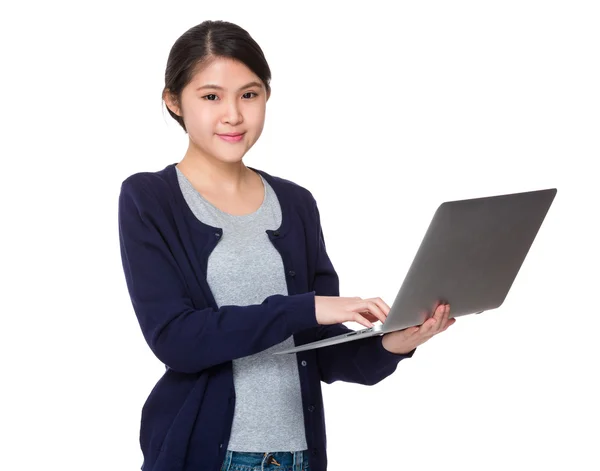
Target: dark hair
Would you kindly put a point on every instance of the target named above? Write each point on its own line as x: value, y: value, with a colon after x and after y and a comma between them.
x: 205, y: 42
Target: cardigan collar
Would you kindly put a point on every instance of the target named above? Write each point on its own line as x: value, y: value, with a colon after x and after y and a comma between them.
x: 279, y: 187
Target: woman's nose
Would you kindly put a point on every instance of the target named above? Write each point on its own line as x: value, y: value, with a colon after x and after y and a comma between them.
x: 232, y: 114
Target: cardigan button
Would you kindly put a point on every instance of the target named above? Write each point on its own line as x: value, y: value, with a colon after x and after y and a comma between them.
x: 303, y: 362
x: 292, y: 273
x: 311, y: 408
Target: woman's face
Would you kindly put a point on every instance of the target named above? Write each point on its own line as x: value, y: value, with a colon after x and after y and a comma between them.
x: 224, y: 97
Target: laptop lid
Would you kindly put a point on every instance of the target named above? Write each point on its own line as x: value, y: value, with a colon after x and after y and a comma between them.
x: 469, y: 256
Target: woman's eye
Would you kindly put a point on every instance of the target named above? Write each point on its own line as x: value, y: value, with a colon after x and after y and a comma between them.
x: 213, y: 97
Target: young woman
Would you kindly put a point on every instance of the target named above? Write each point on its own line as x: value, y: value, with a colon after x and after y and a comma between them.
x: 225, y: 265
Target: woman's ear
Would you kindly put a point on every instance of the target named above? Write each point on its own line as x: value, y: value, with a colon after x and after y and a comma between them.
x: 171, y: 102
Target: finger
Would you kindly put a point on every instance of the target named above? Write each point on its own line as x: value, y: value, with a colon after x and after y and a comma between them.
x: 418, y: 335
x: 429, y: 326
x: 385, y: 309
x: 362, y: 320
x: 370, y: 306
x: 446, y: 316
x: 450, y: 322
x: 426, y: 327
x: 382, y: 304
x: 444, y: 319
x: 380, y: 307
x: 370, y: 317
x: 439, y: 312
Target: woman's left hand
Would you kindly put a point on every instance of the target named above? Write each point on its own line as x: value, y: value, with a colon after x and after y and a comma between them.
x: 404, y: 341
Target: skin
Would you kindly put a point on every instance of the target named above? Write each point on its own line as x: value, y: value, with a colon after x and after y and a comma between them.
x: 210, y: 163
x: 215, y: 167
x: 403, y: 341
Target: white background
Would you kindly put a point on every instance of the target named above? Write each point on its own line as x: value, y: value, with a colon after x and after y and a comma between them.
x: 383, y: 110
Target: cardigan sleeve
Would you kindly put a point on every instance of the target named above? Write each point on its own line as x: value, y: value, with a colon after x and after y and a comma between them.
x: 364, y: 361
x: 186, y: 339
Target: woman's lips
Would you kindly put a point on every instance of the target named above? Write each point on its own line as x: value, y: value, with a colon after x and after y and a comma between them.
x: 228, y: 138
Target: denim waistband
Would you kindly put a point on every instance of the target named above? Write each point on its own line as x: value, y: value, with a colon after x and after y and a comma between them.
x: 267, y: 461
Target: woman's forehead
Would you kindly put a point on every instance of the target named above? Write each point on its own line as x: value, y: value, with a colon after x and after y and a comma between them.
x: 225, y: 73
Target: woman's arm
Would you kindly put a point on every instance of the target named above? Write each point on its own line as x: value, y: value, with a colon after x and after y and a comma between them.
x: 183, y: 338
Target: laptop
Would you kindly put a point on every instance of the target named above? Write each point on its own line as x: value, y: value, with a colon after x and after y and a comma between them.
x: 469, y: 258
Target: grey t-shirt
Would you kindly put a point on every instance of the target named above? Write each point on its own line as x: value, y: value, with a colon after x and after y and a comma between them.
x: 243, y: 269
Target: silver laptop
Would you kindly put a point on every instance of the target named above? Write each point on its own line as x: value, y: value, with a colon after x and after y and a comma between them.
x: 469, y: 257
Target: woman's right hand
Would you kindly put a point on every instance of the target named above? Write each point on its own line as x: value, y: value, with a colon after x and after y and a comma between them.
x: 338, y: 309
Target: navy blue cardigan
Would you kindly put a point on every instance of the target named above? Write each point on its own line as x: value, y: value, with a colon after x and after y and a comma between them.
x: 187, y: 418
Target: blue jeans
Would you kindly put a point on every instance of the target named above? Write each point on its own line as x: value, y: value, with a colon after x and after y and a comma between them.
x: 275, y: 461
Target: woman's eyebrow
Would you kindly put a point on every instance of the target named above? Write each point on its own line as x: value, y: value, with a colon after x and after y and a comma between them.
x: 217, y: 87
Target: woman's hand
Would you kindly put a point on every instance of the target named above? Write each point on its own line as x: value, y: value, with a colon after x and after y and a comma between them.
x: 336, y: 309
x: 404, y: 341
